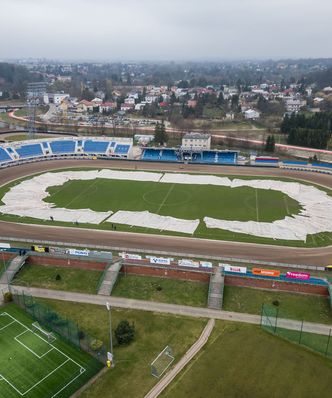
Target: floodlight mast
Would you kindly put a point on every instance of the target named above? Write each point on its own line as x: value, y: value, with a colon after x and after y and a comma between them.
x: 35, y: 91
x: 109, y: 308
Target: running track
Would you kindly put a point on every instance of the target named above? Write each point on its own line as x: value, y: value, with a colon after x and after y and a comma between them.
x: 314, y: 256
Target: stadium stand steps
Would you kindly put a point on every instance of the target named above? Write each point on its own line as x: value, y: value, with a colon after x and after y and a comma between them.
x: 31, y: 150
x: 216, y: 290
x: 15, y: 265
x: 109, y: 278
x: 4, y: 155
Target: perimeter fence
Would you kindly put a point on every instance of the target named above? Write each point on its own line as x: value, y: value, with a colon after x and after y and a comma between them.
x: 272, y: 321
x: 60, y: 325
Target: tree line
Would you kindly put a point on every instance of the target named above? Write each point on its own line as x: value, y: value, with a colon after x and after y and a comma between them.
x: 310, y: 131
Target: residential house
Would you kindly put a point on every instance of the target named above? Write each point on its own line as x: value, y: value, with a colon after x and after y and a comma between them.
x: 251, y: 114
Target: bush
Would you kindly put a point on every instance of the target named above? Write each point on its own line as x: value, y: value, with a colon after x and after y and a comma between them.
x: 125, y: 333
x: 276, y: 303
x: 96, y: 345
x: 58, y: 277
x: 159, y: 288
x: 8, y: 297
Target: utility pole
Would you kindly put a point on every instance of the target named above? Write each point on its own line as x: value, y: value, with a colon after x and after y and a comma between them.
x: 111, y: 356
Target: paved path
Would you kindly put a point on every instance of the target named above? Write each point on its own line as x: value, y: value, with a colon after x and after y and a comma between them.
x: 296, y: 255
x: 175, y: 309
x: 188, y: 356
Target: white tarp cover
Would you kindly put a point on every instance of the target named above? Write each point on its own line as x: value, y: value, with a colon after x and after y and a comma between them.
x: 314, y: 217
x: 26, y: 199
x: 151, y: 220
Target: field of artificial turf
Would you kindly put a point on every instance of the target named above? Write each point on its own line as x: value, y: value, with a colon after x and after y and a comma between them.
x: 32, y: 367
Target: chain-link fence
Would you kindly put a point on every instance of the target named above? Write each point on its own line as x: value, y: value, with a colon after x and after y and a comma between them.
x: 64, y: 327
x: 271, y: 320
x: 330, y: 291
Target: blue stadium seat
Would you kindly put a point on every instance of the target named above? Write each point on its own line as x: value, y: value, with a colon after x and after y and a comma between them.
x: 91, y: 146
x: 63, y: 146
x: 209, y: 157
x: 151, y: 154
x: 28, y: 151
x: 227, y: 157
x: 168, y: 155
x: 328, y: 165
x: 122, y: 149
x: 4, y: 155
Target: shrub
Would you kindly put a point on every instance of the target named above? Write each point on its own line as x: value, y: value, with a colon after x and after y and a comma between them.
x: 159, y: 288
x: 8, y: 297
x: 96, y: 345
x: 276, y: 303
x: 58, y: 277
x: 125, y: 333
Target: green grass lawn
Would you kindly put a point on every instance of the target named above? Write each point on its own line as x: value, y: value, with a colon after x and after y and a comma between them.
x: 177, y: 200
x: 162, y: 290
x: 72, y: 279
x: 243, y: 361
x: 293, y: 306
x: 32, y: 367
x: 131, y: 377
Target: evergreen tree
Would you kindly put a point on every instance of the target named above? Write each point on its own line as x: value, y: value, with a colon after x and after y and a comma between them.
x: 124, y: 332
x: 160, y: 135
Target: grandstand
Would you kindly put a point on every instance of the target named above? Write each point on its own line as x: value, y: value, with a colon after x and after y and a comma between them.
x: 72, y: 147
x: 190, y: 156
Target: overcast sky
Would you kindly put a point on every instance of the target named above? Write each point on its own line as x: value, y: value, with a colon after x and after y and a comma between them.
x: 165, y: 29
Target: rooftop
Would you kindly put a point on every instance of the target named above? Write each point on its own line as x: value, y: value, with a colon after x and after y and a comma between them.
x: 196, y: 136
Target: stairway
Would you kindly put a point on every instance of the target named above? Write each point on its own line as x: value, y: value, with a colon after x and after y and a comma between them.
x: 110, y: 277
x: 15, y: 265
x: 216, y: 290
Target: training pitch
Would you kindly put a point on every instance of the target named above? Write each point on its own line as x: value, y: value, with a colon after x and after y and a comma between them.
x: 31, y: 366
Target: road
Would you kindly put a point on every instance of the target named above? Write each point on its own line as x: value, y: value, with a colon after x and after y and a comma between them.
x: 183, y: 310
x: 310, y: 256
x: 215, y: 133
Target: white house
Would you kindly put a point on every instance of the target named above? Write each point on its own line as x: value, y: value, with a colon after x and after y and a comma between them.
x: 130, y: 100
x: 55, y: 98
x: 294, y: 104
x: 251, y: 114
x: 196, y: 141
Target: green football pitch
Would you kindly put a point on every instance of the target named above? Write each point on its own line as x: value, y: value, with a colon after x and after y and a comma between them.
x: 182, y: 201
x: 34, y: 366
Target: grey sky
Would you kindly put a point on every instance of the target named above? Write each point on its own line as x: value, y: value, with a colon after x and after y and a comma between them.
x: 165, y: 29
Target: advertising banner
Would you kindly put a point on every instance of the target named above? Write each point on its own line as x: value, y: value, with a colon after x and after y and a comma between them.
x: 76, y: 252
x: 40, y: 249
x: 160, y: 260
x: 205, y: 264
x: 188, y: 263
x: 297, y: 275
x: 235, y: 268
x: 128, y: 256
x: 265, y: 272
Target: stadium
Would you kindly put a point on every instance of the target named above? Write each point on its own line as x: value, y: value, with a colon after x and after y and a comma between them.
x: 135, y: 219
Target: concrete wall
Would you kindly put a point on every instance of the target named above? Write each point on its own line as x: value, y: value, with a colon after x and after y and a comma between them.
x: 66, y: 262
x: 166, y: 272
x: 267, y: 284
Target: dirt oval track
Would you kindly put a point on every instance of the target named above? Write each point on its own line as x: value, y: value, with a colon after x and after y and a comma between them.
x: 314, y: 256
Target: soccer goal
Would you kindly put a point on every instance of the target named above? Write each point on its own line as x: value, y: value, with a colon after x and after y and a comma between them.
x: 36, y: 328
x: 162, y: 362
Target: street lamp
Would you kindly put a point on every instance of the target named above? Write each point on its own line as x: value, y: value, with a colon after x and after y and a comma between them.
x: 111, y: 356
